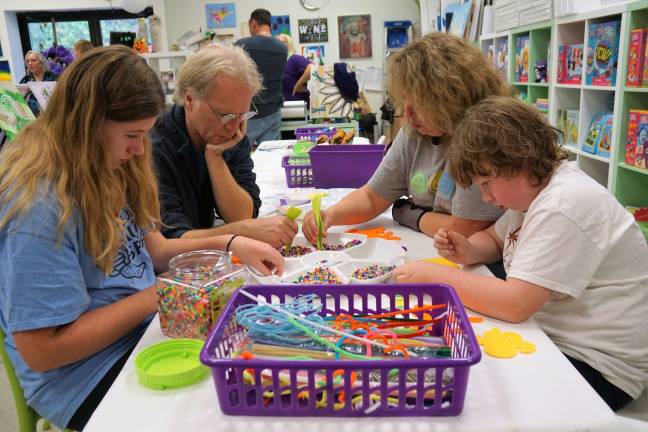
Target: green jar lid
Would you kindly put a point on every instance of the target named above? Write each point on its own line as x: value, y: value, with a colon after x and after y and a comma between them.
x: 171, y: 364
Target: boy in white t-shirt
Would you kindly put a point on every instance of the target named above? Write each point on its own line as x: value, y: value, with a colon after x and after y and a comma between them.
x: 575, y: 259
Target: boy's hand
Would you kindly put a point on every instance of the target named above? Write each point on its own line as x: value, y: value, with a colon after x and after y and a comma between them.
x: 453, y: 246
x: 421, y: 272
x: 309, y: 227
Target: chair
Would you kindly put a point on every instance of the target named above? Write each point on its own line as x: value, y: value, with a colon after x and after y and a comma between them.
x: 27, y: 417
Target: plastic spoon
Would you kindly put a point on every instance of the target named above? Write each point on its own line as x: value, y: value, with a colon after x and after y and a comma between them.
x: 292, y: 214
x: 316, y: 201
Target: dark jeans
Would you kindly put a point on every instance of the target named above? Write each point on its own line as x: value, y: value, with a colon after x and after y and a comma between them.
x: 90, y: 404
x: 611, y: 394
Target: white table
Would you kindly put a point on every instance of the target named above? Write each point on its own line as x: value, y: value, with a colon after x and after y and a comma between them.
x: 537, y: 392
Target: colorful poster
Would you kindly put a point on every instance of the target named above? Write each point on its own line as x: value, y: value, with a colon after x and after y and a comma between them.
x: 314, y: 53
x: 355, y: 36
x: 5, y: 72
x: 280, y: 25
x: 42, y: 90
x: 313, y: 30
x: 220, y: 15
x: 14, y: 112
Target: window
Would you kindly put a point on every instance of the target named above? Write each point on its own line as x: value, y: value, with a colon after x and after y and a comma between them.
x: 37, y: 30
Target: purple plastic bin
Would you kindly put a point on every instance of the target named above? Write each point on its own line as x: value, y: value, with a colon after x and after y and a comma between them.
x: 300, y: 175
x: 345, y: 165
x: 447, y: 377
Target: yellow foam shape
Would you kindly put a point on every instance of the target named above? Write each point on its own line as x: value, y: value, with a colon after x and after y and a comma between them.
x: 481, y: 340
x: 500, y: 349
x: 442, y: 261
x: 513, y: 338
x: 526, y: 348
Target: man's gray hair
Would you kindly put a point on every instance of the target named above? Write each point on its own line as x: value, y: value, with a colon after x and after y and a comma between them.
x: 201, y: 69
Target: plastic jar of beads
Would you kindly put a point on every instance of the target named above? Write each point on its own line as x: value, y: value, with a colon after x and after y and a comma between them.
x: 194, y: 290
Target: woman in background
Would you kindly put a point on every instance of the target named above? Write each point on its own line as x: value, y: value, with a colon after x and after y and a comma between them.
x: 37, y: 70
x: 296, y: 74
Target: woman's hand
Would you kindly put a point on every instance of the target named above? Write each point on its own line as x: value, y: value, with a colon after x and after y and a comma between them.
x: 309, y: 227
x: 263, y: 257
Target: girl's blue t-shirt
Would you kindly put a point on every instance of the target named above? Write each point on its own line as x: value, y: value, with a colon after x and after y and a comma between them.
x: 47, y: 281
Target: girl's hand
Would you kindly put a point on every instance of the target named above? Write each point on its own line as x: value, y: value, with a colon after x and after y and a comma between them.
x: 453, y: 246
x: 263, y: 257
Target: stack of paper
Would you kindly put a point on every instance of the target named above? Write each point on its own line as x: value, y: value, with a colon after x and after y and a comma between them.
x: 507, y: 14
x: 536, y: 11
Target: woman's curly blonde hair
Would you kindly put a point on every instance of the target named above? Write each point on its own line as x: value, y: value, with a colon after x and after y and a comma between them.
x: 441, y: 76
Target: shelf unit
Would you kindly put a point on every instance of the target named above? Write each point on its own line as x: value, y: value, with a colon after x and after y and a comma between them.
x: 165, y: 61
x: 629, y: 184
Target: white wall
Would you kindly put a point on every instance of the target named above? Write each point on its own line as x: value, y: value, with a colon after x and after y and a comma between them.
x: 183, y: 15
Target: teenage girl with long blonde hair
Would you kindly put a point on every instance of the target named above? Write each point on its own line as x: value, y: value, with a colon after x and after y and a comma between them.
x: 79, y: 239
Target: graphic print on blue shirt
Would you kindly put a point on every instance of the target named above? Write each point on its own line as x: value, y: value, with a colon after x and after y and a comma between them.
x: 129, y: 262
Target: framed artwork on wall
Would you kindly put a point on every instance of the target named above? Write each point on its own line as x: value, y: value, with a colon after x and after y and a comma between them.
x: 280, y: 25
x: 220, y: 15
x: 354, y: 33
x: 313, y: 30
x: 314, y: 53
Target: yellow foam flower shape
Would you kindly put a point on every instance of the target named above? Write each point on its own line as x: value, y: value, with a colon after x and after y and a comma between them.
x: 504, y: 344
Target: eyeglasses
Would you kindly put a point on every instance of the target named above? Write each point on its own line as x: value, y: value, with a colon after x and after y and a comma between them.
x: 229, y: 117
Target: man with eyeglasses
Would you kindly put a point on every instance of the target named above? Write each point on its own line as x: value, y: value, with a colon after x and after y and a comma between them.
x: 270, y: 56
x: 202, y: 154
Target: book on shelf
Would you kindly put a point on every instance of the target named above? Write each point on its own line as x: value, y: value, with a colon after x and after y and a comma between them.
x: 522, y: 59
x: 598, y: 139
x: 636, y: 58
x: 502, y: 58
x: 570, y: 64
x: 637, y: 139
x: 602, y: 53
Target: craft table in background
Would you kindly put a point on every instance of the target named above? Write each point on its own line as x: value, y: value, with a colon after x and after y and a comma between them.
x: 536, y: 392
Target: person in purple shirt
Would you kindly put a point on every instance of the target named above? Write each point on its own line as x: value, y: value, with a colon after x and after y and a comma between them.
x: 296, y: 74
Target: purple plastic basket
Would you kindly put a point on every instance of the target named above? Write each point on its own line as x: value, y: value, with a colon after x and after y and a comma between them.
x: 298, y: 175
x: 313, y: 133
x: 450, y: 375
x: 345, y: 166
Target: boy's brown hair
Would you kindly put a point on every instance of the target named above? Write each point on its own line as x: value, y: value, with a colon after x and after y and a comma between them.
x: 503, y: 136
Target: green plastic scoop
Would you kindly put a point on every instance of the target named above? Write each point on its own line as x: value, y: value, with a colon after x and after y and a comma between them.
x: 316, y: 202
x: 292, y: 214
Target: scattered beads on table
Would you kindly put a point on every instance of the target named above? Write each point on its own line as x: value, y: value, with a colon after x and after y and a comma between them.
x: 338, y: 247
x: 319, y: 275
x: 372, y: 271
x: 295, y: 251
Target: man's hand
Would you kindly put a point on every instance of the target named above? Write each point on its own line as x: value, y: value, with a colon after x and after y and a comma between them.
x: 217, y: 149
x: 274, y: 230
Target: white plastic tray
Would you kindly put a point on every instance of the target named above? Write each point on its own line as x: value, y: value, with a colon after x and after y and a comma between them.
x: 342, y: 264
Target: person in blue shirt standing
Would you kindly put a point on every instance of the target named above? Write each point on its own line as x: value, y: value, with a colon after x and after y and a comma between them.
x: 79, y: 235
x: 270, y: 56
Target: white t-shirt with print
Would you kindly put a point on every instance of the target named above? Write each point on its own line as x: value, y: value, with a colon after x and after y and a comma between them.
x: 579, y: 242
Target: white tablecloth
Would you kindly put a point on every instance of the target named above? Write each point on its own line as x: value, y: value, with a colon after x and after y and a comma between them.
x: 536, y: 392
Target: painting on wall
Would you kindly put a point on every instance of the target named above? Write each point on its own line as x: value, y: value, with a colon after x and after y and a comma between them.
x: 5, y: 72
x: 313, y: 30
x: 355, y: 36
x: 220, y: 15
x: 314, y: 53
x: 280, y: 25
